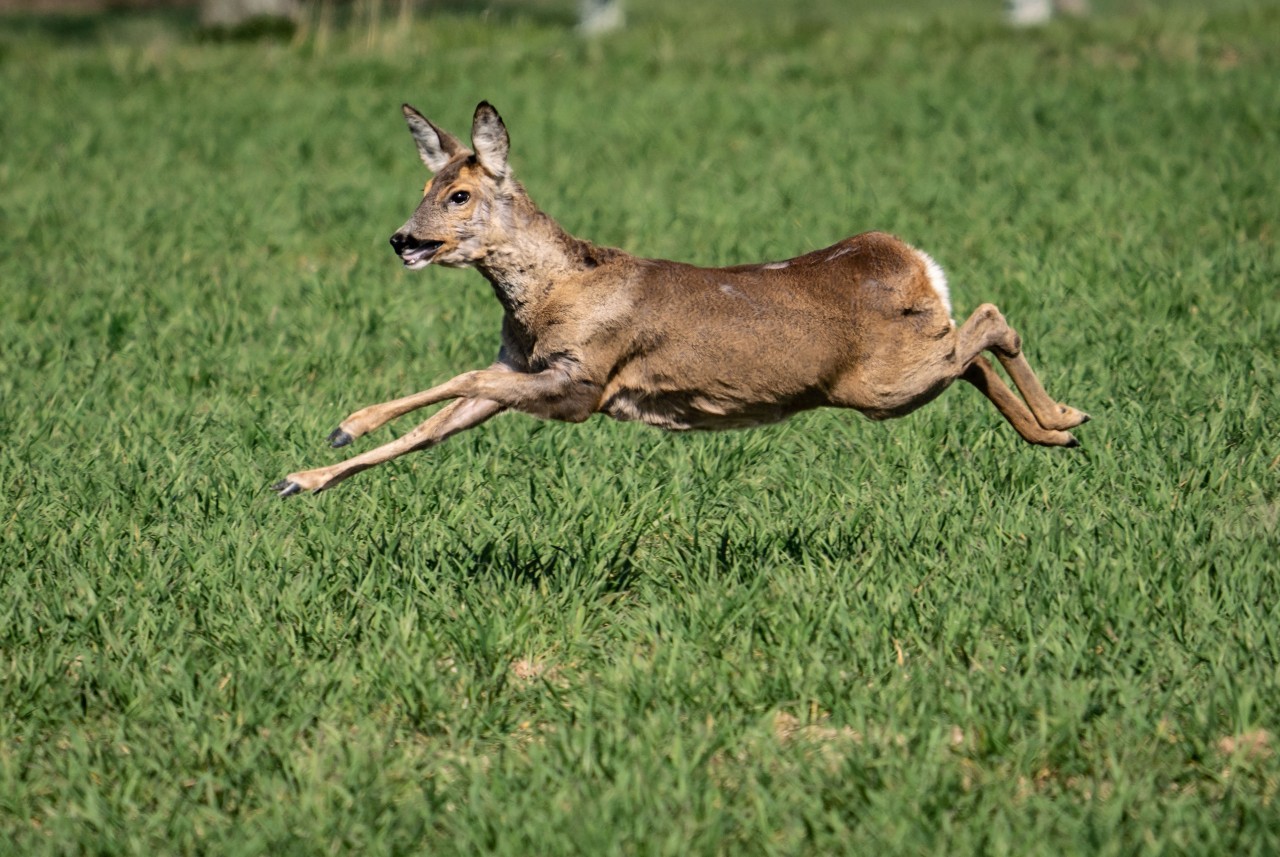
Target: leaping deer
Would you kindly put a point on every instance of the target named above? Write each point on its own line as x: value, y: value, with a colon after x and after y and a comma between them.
x: 863, y: 324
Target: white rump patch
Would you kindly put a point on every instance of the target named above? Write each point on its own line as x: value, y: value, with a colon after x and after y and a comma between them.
x: 938, y: 280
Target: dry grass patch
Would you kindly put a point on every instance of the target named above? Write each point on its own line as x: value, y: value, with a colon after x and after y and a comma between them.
x: 1251, y: 746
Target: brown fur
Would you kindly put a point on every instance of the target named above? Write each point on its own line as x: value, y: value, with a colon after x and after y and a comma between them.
x: 863, y: 324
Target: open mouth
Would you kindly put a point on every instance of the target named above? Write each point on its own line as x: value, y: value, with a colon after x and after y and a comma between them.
x: 420, y: 255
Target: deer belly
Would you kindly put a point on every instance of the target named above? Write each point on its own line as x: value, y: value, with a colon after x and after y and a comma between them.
x: 681, y: 410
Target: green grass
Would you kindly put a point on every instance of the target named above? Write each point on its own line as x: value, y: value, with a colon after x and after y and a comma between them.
x: 829, y: 636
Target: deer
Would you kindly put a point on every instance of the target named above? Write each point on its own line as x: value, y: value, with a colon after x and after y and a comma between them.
x: 864, y: 324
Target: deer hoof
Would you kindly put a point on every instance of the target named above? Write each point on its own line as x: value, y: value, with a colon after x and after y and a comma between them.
x: 1072, y: 417
x: 286, y: 488
x: 339, y: 438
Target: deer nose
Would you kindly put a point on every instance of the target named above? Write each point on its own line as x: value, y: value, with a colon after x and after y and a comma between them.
x: 399, y: 242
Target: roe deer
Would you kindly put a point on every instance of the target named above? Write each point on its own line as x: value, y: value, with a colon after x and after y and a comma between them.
x: 864, y: 324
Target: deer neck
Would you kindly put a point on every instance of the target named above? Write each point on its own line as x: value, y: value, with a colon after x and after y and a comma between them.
x: 534, y: 256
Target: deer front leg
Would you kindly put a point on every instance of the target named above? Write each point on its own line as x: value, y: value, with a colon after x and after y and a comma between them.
x: 553, y: 393
x: 375, y: 417
x: 454, y: 417
x: 558, y: 392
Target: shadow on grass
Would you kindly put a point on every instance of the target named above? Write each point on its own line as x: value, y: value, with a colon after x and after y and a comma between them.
x: 537, y: 565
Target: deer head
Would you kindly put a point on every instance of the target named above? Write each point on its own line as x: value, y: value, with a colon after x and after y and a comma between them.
x: 465, y: 207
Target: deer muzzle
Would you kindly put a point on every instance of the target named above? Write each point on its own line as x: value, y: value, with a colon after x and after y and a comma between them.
x: 414, y: 252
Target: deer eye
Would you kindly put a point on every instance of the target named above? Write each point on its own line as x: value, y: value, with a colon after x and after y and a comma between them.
x: 459, y: 197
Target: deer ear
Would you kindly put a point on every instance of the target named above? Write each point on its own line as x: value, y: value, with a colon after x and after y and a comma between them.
x: 489, y: 137
x: 436, y: 147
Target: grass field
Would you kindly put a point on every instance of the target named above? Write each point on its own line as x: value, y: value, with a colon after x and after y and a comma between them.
x: 829, y: 636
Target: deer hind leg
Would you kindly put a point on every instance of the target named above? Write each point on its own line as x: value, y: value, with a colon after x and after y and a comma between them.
x: 1041, y: 419
x: 458, y: 415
